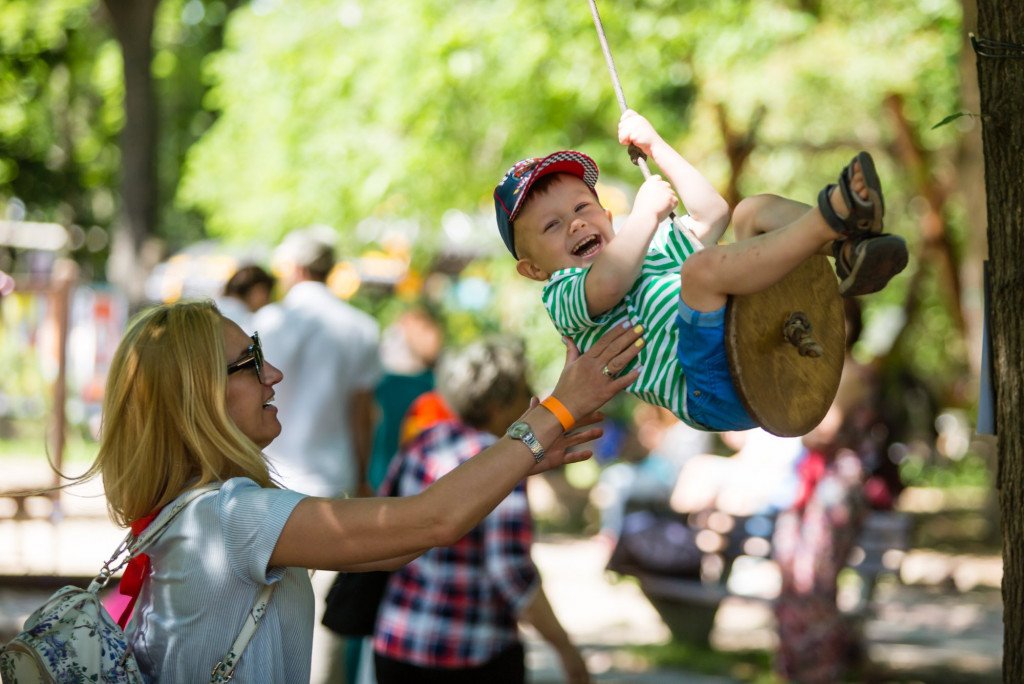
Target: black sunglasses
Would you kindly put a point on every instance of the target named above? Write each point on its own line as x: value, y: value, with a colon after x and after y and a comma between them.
x: 253, y: 357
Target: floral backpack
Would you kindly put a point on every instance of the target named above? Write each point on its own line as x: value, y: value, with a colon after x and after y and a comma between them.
x: 72, y: 639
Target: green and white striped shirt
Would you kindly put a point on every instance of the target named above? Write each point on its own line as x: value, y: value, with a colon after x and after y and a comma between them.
x: 653, y: 302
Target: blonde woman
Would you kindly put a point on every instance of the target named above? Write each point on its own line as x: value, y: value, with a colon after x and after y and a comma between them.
x: 189, y: 401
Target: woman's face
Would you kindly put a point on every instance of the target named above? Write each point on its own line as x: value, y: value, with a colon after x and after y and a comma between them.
x: 249, y: 393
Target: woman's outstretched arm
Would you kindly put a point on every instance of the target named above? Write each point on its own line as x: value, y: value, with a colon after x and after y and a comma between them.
x: 336, y: 534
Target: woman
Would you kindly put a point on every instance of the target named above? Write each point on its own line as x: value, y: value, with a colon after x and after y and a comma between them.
x: 452, y: 614
x: 245, y: 293
x: 189, y: 401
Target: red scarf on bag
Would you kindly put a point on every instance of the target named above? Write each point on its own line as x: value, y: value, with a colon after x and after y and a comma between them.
x: 136, y: 571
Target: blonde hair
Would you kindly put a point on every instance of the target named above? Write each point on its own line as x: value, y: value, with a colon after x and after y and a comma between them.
x: 165, y: 420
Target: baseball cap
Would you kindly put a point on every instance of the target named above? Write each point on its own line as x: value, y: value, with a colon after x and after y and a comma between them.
x: 511, y: 192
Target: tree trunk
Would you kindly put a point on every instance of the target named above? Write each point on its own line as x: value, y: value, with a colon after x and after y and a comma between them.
x: 1001, y: 85
x: 133, y: 26
x: 970, y: 184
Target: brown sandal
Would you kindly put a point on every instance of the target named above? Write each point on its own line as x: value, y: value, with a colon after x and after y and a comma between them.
x: 872, y: 262
x: 865, y: 215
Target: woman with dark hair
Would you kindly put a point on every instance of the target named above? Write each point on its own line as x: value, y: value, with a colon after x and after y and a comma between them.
x: 247, y: 291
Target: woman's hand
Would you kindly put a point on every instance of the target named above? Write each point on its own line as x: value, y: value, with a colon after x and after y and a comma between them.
x: 560, y: 452
x: 587, y: 383
x: 590, y: 380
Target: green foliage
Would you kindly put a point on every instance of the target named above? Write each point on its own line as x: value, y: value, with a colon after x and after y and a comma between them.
x: 185, y: 33
x: 59, y: 112
x: 969, y: 471
x: 953, y: 117
x: 328, y: 111
x: 333, y: 112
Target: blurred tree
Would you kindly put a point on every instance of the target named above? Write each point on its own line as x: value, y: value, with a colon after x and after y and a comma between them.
x: 59, y: 115
x: 67, y: 94
x: 133, y: 27
x: 1001, y: 80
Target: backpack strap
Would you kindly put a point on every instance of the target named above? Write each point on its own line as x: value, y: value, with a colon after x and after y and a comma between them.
x: 225, y: 669
x: 152, y: 532
x: 133, y: 544
x: 137, y: 570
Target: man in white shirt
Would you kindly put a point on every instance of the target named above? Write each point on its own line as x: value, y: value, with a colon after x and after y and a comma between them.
x: 328, y: 351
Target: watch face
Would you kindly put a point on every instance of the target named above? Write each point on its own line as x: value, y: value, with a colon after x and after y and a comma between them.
x: 518, y: 430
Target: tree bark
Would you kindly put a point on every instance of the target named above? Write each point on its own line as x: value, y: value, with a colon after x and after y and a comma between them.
x: 970, y: 184
x: 1001, y: 86
x: 133, y: 26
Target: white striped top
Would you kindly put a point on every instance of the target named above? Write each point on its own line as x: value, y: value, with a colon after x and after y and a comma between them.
x: 208, y: 566
x: 653, y: 301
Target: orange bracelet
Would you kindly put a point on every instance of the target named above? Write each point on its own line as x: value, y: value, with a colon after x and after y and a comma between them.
x: 561, y: 413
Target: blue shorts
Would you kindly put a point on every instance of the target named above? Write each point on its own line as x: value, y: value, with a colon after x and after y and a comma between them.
x: 711, y: 399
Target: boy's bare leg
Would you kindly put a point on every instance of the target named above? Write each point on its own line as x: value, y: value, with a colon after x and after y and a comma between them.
x: 760, y: 214
x: 764, y: 213
x: 753, y: 264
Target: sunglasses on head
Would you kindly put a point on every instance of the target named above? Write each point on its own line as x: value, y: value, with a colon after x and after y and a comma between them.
x: 252, y: 357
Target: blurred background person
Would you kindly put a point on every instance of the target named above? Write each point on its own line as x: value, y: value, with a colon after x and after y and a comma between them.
x: 328, y: 352
x: 667, y: 443
x: 843, y: 474
x: 409, y: 350
x: 247, y: 291
x: 452, y: 615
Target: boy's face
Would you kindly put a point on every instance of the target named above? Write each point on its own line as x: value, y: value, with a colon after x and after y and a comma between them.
x: 562, y: 227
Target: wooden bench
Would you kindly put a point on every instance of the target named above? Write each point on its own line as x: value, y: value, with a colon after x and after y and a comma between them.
x: 688, y: 602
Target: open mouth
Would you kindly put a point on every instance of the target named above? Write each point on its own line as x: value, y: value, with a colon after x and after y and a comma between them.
x: 588, y: 246
x: 268, y: 402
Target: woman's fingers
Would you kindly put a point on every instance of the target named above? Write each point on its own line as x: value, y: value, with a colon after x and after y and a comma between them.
x: 622, y: 351
x: 619, y: 337
x: 625, y: 346
x: 576, y: 438
x: 572, y: 352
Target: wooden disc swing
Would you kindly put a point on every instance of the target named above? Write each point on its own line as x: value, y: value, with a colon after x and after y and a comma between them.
x: 785, y: 344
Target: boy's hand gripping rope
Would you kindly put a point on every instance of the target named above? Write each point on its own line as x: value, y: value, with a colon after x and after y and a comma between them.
x: 636, y: 155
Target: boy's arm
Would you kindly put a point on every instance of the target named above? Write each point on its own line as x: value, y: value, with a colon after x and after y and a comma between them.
x: 618, y: 265
x: 703, y: 203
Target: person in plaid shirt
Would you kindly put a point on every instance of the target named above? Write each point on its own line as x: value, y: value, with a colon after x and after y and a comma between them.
x: 452, y: 614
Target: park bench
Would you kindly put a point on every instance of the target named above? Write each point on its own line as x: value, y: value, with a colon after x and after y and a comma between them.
x: 687, y: 585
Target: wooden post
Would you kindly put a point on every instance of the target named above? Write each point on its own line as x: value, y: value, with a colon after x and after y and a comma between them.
x: 65, y: 273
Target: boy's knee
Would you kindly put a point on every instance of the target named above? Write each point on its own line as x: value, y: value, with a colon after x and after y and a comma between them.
x: 746, y: 215
x: 699, y: 286
x: 698, y: 270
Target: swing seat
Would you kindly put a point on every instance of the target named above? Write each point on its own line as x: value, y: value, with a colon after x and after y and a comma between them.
x: 786, y: 346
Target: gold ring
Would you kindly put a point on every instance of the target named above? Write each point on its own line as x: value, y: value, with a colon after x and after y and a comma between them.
x: 607, y: 372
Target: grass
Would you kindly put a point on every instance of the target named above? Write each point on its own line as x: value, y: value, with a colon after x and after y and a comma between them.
x: 746, y: 666
x: 78, y: 451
